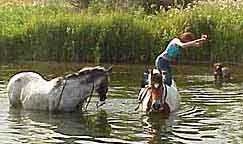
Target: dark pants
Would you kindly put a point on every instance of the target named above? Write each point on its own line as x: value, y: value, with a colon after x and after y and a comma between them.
x: 164, y: 65
x: 144, y: 81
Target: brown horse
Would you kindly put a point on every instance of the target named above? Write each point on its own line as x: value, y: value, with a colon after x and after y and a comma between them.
x: 157, y: 100
x: 157, y: 96
x: 221, y: 73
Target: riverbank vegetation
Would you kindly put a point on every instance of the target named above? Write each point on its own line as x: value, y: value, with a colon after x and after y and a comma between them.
x: 101, y: 33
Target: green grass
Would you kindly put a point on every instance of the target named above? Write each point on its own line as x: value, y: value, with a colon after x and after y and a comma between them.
x: 55, y: 33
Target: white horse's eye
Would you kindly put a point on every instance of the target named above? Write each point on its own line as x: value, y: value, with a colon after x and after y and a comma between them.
x: 156, y: 85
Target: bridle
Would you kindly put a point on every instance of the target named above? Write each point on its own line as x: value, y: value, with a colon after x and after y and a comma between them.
x: 163, y: 96
x: 91, y: 94
x: 142, y: 97
x: 61, y: 95
x: 149, y: 87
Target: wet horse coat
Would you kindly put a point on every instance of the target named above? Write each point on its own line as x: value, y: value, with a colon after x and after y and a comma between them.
x: 168, y: 95
x: 30, y: 91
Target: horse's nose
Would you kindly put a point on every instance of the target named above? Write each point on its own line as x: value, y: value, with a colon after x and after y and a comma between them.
x: 156, y: 106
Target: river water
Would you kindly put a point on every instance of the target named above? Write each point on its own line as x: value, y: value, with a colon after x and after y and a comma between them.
x: 208, y: 114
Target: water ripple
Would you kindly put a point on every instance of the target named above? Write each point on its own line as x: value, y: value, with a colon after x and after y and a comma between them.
x: 208, y: 114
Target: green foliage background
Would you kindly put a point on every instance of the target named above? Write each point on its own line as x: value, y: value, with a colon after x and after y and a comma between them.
x: 59, y: 33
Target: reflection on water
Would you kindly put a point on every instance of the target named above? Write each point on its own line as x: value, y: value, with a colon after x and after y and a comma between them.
x: 32, y: 126
x: 208, y: 114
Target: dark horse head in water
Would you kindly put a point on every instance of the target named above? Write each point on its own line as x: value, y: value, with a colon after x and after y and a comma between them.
x: 29, y: 90
x: 221, y: 73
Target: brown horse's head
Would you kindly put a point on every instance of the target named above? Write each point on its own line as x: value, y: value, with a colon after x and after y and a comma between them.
x: 221, y: 73
x: 217, y: 68
x: 158, y: 96
x: 218, y: 73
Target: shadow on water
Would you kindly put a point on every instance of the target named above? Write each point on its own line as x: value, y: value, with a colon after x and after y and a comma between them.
x: 60, y: 127
x: 159, y: 127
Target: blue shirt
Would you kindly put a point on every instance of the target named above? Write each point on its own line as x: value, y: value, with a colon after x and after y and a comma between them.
x: 172, y: 51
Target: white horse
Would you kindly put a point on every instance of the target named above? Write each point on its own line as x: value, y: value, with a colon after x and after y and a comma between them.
x: 157, y: 96
x: 30, y: 91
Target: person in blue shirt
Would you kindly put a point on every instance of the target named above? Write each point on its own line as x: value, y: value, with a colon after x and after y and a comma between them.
x: 172, y: 51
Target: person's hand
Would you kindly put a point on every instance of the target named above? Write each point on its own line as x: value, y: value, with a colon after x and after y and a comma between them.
x: 203, y: 40
x: 204, y: 37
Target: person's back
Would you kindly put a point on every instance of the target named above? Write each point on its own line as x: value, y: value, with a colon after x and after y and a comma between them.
x: 172, y: 51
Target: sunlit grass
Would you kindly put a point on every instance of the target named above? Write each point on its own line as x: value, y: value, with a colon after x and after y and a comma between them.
x: 53, y: 32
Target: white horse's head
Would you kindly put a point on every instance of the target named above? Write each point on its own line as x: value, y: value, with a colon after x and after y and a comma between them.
x: 82, y: 84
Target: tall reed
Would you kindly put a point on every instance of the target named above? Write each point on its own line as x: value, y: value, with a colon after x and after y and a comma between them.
x: 37, y: 32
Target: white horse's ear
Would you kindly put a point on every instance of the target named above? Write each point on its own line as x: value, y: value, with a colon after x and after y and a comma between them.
x: 109, y: 70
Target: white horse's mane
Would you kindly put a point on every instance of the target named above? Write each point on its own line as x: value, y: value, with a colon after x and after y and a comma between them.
x: 89, y: 69
x: 85, y: 71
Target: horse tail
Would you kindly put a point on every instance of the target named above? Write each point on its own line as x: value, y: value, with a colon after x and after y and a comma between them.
x: 14, y: 92
x: 15, y: 85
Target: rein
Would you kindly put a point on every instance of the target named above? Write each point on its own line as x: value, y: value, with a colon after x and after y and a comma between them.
x: 60, y: 96
x: 164, y: 93
x: 64, y: 85
x: 91, y: 94
x: 143, y: 95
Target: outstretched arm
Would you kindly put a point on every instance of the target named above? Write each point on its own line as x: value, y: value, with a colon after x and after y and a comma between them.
x: 194, y: 43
